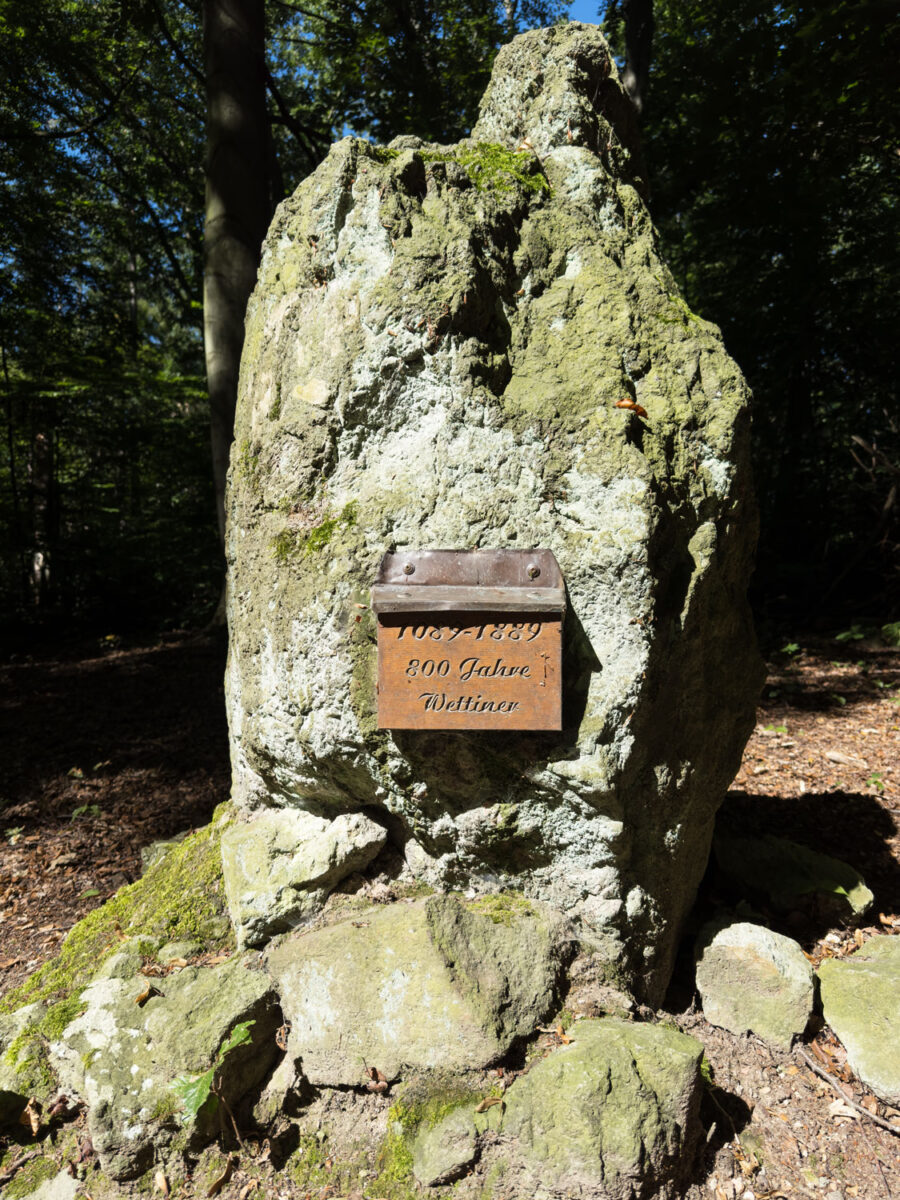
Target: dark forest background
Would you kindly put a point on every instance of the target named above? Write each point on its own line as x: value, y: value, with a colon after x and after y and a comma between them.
x: 145, y: 143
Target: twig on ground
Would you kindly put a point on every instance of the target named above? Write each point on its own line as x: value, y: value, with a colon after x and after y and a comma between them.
x: 227, y: 1107
x: 814, y: 1066
x: 20, y: 1162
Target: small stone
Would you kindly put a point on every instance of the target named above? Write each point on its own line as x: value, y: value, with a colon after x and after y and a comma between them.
x: 280, y: 866
x: 442, y: 1153
x: 171, y: 950
x: 61, y: 1187
x: 751, y: 979
x: 156, y: 851
x: 861, y: 1003
x: 792, y: 877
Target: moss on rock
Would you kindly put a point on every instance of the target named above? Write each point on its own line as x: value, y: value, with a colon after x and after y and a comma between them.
x: 180, y: 897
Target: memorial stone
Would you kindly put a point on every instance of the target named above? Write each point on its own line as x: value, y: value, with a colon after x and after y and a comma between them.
x: 478, y: 347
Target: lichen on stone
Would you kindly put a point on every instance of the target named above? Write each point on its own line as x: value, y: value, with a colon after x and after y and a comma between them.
x: 180, y: 896
x: 443, y: 333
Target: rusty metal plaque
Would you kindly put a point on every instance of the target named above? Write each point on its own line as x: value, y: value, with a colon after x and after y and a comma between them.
x: 470, y: 640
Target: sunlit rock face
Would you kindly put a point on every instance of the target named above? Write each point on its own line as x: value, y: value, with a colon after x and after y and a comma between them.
x: 435, y: 350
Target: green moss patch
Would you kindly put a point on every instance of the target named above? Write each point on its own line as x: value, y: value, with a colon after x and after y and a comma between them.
x: 421, y: 1106
x: 180, y: 897
x: 503, y: 908
x: 494, y: 168
x: 291, y: 543
x: 30, y: 1177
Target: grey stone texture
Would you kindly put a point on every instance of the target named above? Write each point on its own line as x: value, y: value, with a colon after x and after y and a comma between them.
x: 612, y: 1115
x: 440, y: 1154
x: 280, y: 866
x: 861, y: 1003
x: 405, y: 988
x: 434, y: 351
x: 121, y: 1058
x: 751, y: 979
x: 61, y: 1187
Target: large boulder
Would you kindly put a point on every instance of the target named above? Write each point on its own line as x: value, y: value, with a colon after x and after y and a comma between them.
x: 612, y: 1115
x: 434, y: 353
x: 417, y: 986
x: 861, y: 1003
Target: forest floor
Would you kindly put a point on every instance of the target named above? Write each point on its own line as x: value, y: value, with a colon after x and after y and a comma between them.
x: 109, y: 746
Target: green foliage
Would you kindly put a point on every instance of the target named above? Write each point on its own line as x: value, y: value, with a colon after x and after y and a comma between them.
x: 770, y: 132
x: 194, y: 1092
x: 387, y: 68
x: 854, y: 634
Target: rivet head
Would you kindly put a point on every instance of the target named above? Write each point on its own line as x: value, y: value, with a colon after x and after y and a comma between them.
x: 533, y: 571
x: 409, y: 569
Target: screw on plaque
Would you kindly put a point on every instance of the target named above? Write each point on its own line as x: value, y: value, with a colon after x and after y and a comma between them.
x: 409, y: 569
x: 533, y: 572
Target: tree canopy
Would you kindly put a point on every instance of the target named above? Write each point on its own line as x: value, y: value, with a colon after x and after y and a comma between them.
x: 771, y: 131
x: 771, y: 134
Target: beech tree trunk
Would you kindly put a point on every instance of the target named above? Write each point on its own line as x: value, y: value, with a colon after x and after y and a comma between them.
x: 237, y: 203
x: 638, y: 17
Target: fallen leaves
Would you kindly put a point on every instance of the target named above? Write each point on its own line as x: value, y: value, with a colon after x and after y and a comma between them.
x: 145, y: 995
x: 30, y: 1116
x: 558, y: 1032
x: 227, y: 1171
x: 377, y: 1080
x: 160, y: 1183
x: 489, y: 1102
x: 631, y: 405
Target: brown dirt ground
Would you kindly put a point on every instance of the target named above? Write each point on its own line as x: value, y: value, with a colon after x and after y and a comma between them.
x: 110, y: 746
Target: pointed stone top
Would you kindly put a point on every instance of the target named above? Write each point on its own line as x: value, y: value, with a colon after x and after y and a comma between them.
x: 559, y: 87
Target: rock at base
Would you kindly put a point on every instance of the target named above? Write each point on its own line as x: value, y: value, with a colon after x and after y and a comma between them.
x: 613, y: 1114
x: 440, y: 1154
x: 280, y: 866
x: 861, y: 1002
x: 751, y: 979
x: 381, y: 990
x: 61, y: 1187
x: 17, y: 1081
x: 792, y: 876
x: 122, y: 1057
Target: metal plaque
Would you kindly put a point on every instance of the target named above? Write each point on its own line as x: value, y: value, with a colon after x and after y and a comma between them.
x: 469, y: 639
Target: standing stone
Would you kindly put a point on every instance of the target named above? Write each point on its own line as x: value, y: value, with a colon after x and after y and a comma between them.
x: 434, y: 352
x: 753, y: 980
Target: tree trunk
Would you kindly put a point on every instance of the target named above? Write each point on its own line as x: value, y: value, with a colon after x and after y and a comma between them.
x: 237, y: 203
x: 638, y: 17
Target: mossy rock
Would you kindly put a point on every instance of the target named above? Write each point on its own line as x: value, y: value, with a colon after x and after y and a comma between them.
x: 861, y: 1003
x: 413, y: 987
x: 791, y: 876
x: 181, y: 896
